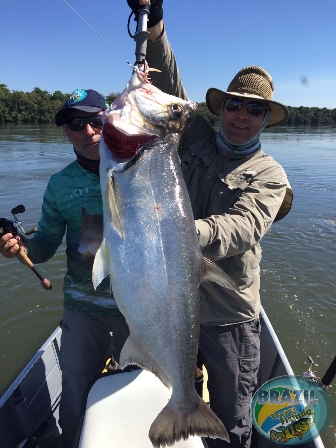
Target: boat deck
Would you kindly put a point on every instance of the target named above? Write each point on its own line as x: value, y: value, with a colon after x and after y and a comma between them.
x: 40, y: 385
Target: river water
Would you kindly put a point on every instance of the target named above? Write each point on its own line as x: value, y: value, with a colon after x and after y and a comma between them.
x: 299, y: 253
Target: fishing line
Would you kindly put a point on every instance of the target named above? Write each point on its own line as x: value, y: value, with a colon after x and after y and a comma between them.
x: 102, y: 37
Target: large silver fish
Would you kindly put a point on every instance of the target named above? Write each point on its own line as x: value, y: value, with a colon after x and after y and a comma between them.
x: 150, y: 250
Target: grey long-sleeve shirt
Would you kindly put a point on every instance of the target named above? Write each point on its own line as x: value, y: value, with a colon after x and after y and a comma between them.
x: 234, y: 200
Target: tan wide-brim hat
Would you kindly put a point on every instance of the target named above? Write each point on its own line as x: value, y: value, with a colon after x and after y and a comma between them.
x: 251, y: 82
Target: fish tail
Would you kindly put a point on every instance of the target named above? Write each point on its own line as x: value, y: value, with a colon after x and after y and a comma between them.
x: 170, y: 426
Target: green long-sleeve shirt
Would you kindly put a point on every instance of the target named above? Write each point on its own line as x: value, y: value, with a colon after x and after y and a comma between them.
x: 72, y: 206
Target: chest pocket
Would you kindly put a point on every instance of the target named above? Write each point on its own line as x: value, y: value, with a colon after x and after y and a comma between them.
x: 194, y: 167
x: 227, y: 189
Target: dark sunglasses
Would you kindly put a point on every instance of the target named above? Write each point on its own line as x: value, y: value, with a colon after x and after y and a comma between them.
x: 78, y: 123
x: 254, y: 108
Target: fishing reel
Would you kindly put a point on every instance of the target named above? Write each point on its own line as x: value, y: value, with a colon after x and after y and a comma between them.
x: 327, y: 378
x: 8, y: 226
x: 310, y: 375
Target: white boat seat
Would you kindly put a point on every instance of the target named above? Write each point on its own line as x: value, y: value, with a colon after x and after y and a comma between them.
x: 120, y: 410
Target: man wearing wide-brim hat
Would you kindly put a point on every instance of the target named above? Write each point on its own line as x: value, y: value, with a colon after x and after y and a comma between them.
x: 250, y: 83
x: 236, y: 192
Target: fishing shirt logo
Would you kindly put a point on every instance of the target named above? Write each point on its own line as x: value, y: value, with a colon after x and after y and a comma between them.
x: 291, y: 410
x: 76, y: 96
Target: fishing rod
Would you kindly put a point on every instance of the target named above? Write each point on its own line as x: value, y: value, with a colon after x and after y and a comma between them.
x: 141, y: 34
x: 7, y: 226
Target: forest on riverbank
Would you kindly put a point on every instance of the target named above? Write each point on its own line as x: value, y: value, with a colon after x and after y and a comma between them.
x: 40, y: 106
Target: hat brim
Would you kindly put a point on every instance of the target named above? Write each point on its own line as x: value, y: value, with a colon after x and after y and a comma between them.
x: 215, y: 97
x: 62, y: 115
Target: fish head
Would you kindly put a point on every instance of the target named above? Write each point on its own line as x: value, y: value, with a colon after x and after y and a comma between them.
x: 152, y: 110
x: 304, y: 424
x: 142, y: 113
x: 161, y: 113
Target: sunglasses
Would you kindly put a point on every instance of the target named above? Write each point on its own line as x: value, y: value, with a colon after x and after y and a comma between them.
x: 78, y: 123
x: 254, y: 108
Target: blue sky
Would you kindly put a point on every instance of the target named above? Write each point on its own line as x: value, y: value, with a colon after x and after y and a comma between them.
x: 45, y: 44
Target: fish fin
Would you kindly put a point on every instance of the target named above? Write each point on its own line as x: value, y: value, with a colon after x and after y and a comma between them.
x: 132, y: 353
x: 213, y: 273
x: 101, y: 264
x: 299, y: 434
x: 115, y: 217
x: 170, y: 426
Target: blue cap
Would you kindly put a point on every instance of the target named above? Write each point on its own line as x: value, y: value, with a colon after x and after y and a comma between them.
x: 85, y: 100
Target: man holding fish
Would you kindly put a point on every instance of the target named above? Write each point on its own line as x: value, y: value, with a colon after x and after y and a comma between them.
x: 236, y: 193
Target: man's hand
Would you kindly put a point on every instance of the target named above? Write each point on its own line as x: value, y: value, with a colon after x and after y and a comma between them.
x: 156, y: 11
x: 10, y: 245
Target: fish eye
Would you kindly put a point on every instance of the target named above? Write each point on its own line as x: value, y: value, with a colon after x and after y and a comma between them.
x: 177, y: 110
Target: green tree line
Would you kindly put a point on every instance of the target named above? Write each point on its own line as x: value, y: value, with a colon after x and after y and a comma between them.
x: 40, y: 106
